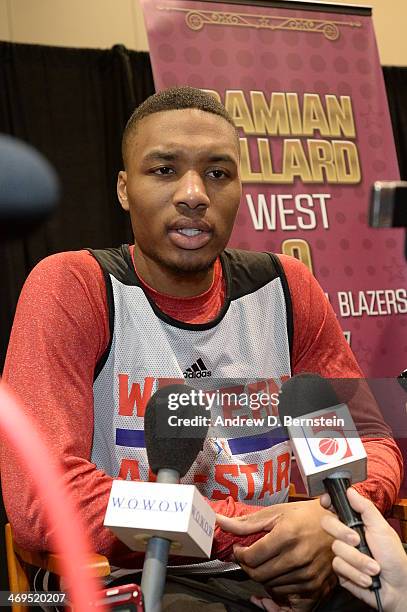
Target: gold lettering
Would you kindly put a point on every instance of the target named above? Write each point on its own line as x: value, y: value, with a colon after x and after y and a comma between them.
x: 295, y: 162
x: 321, y: 158
x: 299, y: 249
x: 265, y: 159
x: 314, y: 116
x: 246, y: 173
x: 214, y: 93
x: 340, y: 116
x: 236, y: 105
x: 273, y: 118
x: 346, y: 161
x: 294, y: 113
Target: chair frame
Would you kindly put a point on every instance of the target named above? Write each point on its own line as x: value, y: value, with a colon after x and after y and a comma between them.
x: 18, y: 556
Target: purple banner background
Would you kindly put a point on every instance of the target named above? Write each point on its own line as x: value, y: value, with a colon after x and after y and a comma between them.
x: 346, y: 255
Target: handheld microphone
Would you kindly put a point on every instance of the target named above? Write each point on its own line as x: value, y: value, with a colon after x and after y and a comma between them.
x: 323, y: 435
x: 29, y: 187
x: 158, y: 513
x: 326, y: 445
x: 170, y: 458
x: 171, y: 450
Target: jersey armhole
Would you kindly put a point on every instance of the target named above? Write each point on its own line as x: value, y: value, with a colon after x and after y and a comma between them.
x: 110, y: 305
x: 288, y: 303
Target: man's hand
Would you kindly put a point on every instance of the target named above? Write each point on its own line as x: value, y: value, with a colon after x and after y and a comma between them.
x: 293, y: 560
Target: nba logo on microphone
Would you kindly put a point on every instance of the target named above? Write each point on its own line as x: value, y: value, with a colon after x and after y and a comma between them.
x: 327, y: 445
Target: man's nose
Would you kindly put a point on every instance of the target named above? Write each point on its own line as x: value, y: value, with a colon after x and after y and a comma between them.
x: 191, y: 191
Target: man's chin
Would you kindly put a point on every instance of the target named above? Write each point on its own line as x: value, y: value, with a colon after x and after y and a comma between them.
x: 191, y: 264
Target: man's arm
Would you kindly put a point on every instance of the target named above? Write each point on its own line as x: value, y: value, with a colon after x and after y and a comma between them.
x: 60, y: 331
x: 294, y: 558
x: 320, y: 347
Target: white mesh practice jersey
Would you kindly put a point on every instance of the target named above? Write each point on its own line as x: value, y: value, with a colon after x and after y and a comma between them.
x: 249, y: 340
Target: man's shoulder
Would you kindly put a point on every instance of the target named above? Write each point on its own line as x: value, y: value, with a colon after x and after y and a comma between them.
x: 66, y: 262
x: 266, y: 259
x: 244, y: 259
x: 66, y: 267
x: 249, y: 271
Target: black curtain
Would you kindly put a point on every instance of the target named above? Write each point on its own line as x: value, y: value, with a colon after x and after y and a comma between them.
x: 395, y: 78
x: 72, y: 105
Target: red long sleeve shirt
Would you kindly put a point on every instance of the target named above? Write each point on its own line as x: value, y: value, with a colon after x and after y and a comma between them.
x: 61, y: 330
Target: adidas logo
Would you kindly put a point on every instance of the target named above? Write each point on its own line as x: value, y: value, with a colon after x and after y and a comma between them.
x: 197, y: 370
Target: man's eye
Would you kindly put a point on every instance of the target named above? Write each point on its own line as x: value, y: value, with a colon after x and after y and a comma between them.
x: 163, y: 171
x: 218, y: 173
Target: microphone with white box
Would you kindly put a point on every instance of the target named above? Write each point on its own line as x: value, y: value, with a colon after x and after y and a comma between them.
x: 160, y: 517
x: 326, y: 444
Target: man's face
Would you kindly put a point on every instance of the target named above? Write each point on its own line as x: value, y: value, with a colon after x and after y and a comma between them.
x: 182, y: 189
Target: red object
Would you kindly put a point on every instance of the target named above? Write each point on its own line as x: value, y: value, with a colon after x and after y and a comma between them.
x: 60, y: 331
x: 122, y: 596
x: 328, y: 446
x: 68, y: 535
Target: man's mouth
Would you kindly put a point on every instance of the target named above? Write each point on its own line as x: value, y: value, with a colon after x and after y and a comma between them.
x: 190, y: 238
x: 189, y: 231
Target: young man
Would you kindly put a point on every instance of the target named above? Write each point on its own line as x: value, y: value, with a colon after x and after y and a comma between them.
x: 96, y: 333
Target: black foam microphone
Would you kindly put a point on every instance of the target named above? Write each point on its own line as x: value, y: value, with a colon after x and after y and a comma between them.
x: 169, y: 447
x: 171, y: 451
x: 326, y: 444
x: 29, y: 187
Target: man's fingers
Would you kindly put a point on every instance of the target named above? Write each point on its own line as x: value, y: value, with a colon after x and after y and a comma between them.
x: 339, y: 531
x: 304, y: 592
x: 302, y: 575
x: 301, y: 589
x: 255, y: 563
x: 274, y: 571
x: 279, y: 572
x: 325, y: 501
x: 245, y: 525
x: 265, y: 604
x: 356, y: 559
x: 262, y: 552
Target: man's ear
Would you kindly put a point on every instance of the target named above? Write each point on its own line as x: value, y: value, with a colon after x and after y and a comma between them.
x: 122, y: 189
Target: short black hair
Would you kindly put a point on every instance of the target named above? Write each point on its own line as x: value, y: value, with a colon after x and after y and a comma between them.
x: 174, y: 98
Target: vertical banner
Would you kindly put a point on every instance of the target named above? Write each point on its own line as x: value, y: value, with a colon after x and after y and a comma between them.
x: 305, y: 88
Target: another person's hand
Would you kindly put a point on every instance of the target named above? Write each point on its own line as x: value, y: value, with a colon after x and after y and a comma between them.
x: 355, y: 569
x: 293, y: 560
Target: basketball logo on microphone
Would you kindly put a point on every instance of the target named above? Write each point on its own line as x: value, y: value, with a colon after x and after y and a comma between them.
x: 327, y: 445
